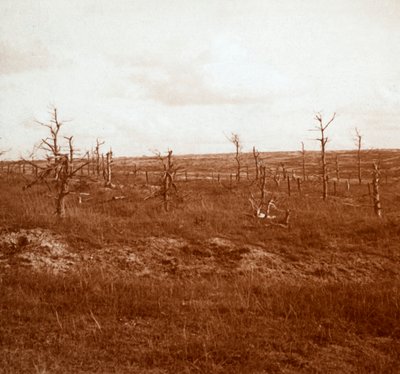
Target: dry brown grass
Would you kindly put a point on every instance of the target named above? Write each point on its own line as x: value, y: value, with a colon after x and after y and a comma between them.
x: 229, y: 295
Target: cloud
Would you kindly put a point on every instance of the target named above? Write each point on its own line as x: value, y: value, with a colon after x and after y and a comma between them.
x: 226, y: 73
x: 13, y: 60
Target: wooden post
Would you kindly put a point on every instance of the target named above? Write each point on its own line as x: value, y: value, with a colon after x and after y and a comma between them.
x: 299, y: 185
x: 288, y: 185
x: 218, y: 178
x: 88, y: 163
x: 334, y: 188
x: 348, y: 185
x: 147, y: 177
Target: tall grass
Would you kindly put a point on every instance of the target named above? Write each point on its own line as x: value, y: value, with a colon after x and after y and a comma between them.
x: 100, y: 322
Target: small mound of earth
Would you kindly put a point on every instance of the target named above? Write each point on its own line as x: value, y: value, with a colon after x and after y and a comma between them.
x: 161, y: 257
x: 37, y: 248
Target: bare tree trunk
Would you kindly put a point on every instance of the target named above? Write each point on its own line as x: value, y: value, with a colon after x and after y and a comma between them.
x: 238, y: 168
x: 323, y: 140
x: 109, y: 162
x: 358, y: 140
x: 134, y: 170
x: 103, y: 167
x: 284, y: 173
x: 375, y: 190
x: 88, y: 163
x: 337, y: 169
x: 63, y: 189
x: 168, y: 180
x: 256, y: 156
x: 235, y: 140
x: 324, y: 172
x: 93, y: 163
x: 303, y: 159
x: 97, y: 155
x: 71, y: 153
x: 262, y: 182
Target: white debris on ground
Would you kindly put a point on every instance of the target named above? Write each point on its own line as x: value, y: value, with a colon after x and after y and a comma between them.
x: 37, y: 248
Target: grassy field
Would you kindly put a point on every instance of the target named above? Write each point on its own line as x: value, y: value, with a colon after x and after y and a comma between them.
x: 122, y: 286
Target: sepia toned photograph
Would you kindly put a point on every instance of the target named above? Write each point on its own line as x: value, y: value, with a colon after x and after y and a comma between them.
x: 200, y: 186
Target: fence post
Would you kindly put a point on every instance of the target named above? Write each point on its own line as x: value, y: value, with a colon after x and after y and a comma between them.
x: 299, y: 185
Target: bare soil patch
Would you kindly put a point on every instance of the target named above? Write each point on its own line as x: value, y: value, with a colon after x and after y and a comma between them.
x: 160, y: 257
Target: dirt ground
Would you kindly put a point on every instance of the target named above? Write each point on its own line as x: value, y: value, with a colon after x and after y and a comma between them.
x: 158, y: 257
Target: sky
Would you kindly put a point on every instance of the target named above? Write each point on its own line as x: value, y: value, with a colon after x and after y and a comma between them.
x: 147, y: 75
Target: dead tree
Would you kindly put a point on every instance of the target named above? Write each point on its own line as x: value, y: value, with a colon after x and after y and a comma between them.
x: 358, y: 143
x: 58, y: 164
x: 256, y: 156
x: 108, y: 169
x: 97, y: 155
x: 258, y: 204
x: 168, y: 187
x: 276, y: 176
x: 71, y: 152
x: 235, y: 140
x: 103, y: 166
x: 323, y: 140
x: 63, y: 185
x: 375, y: 190
x: 51, y: 144
x: 168, y: 180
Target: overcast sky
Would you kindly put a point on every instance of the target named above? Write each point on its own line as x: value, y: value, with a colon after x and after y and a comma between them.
x: 153, y: 74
